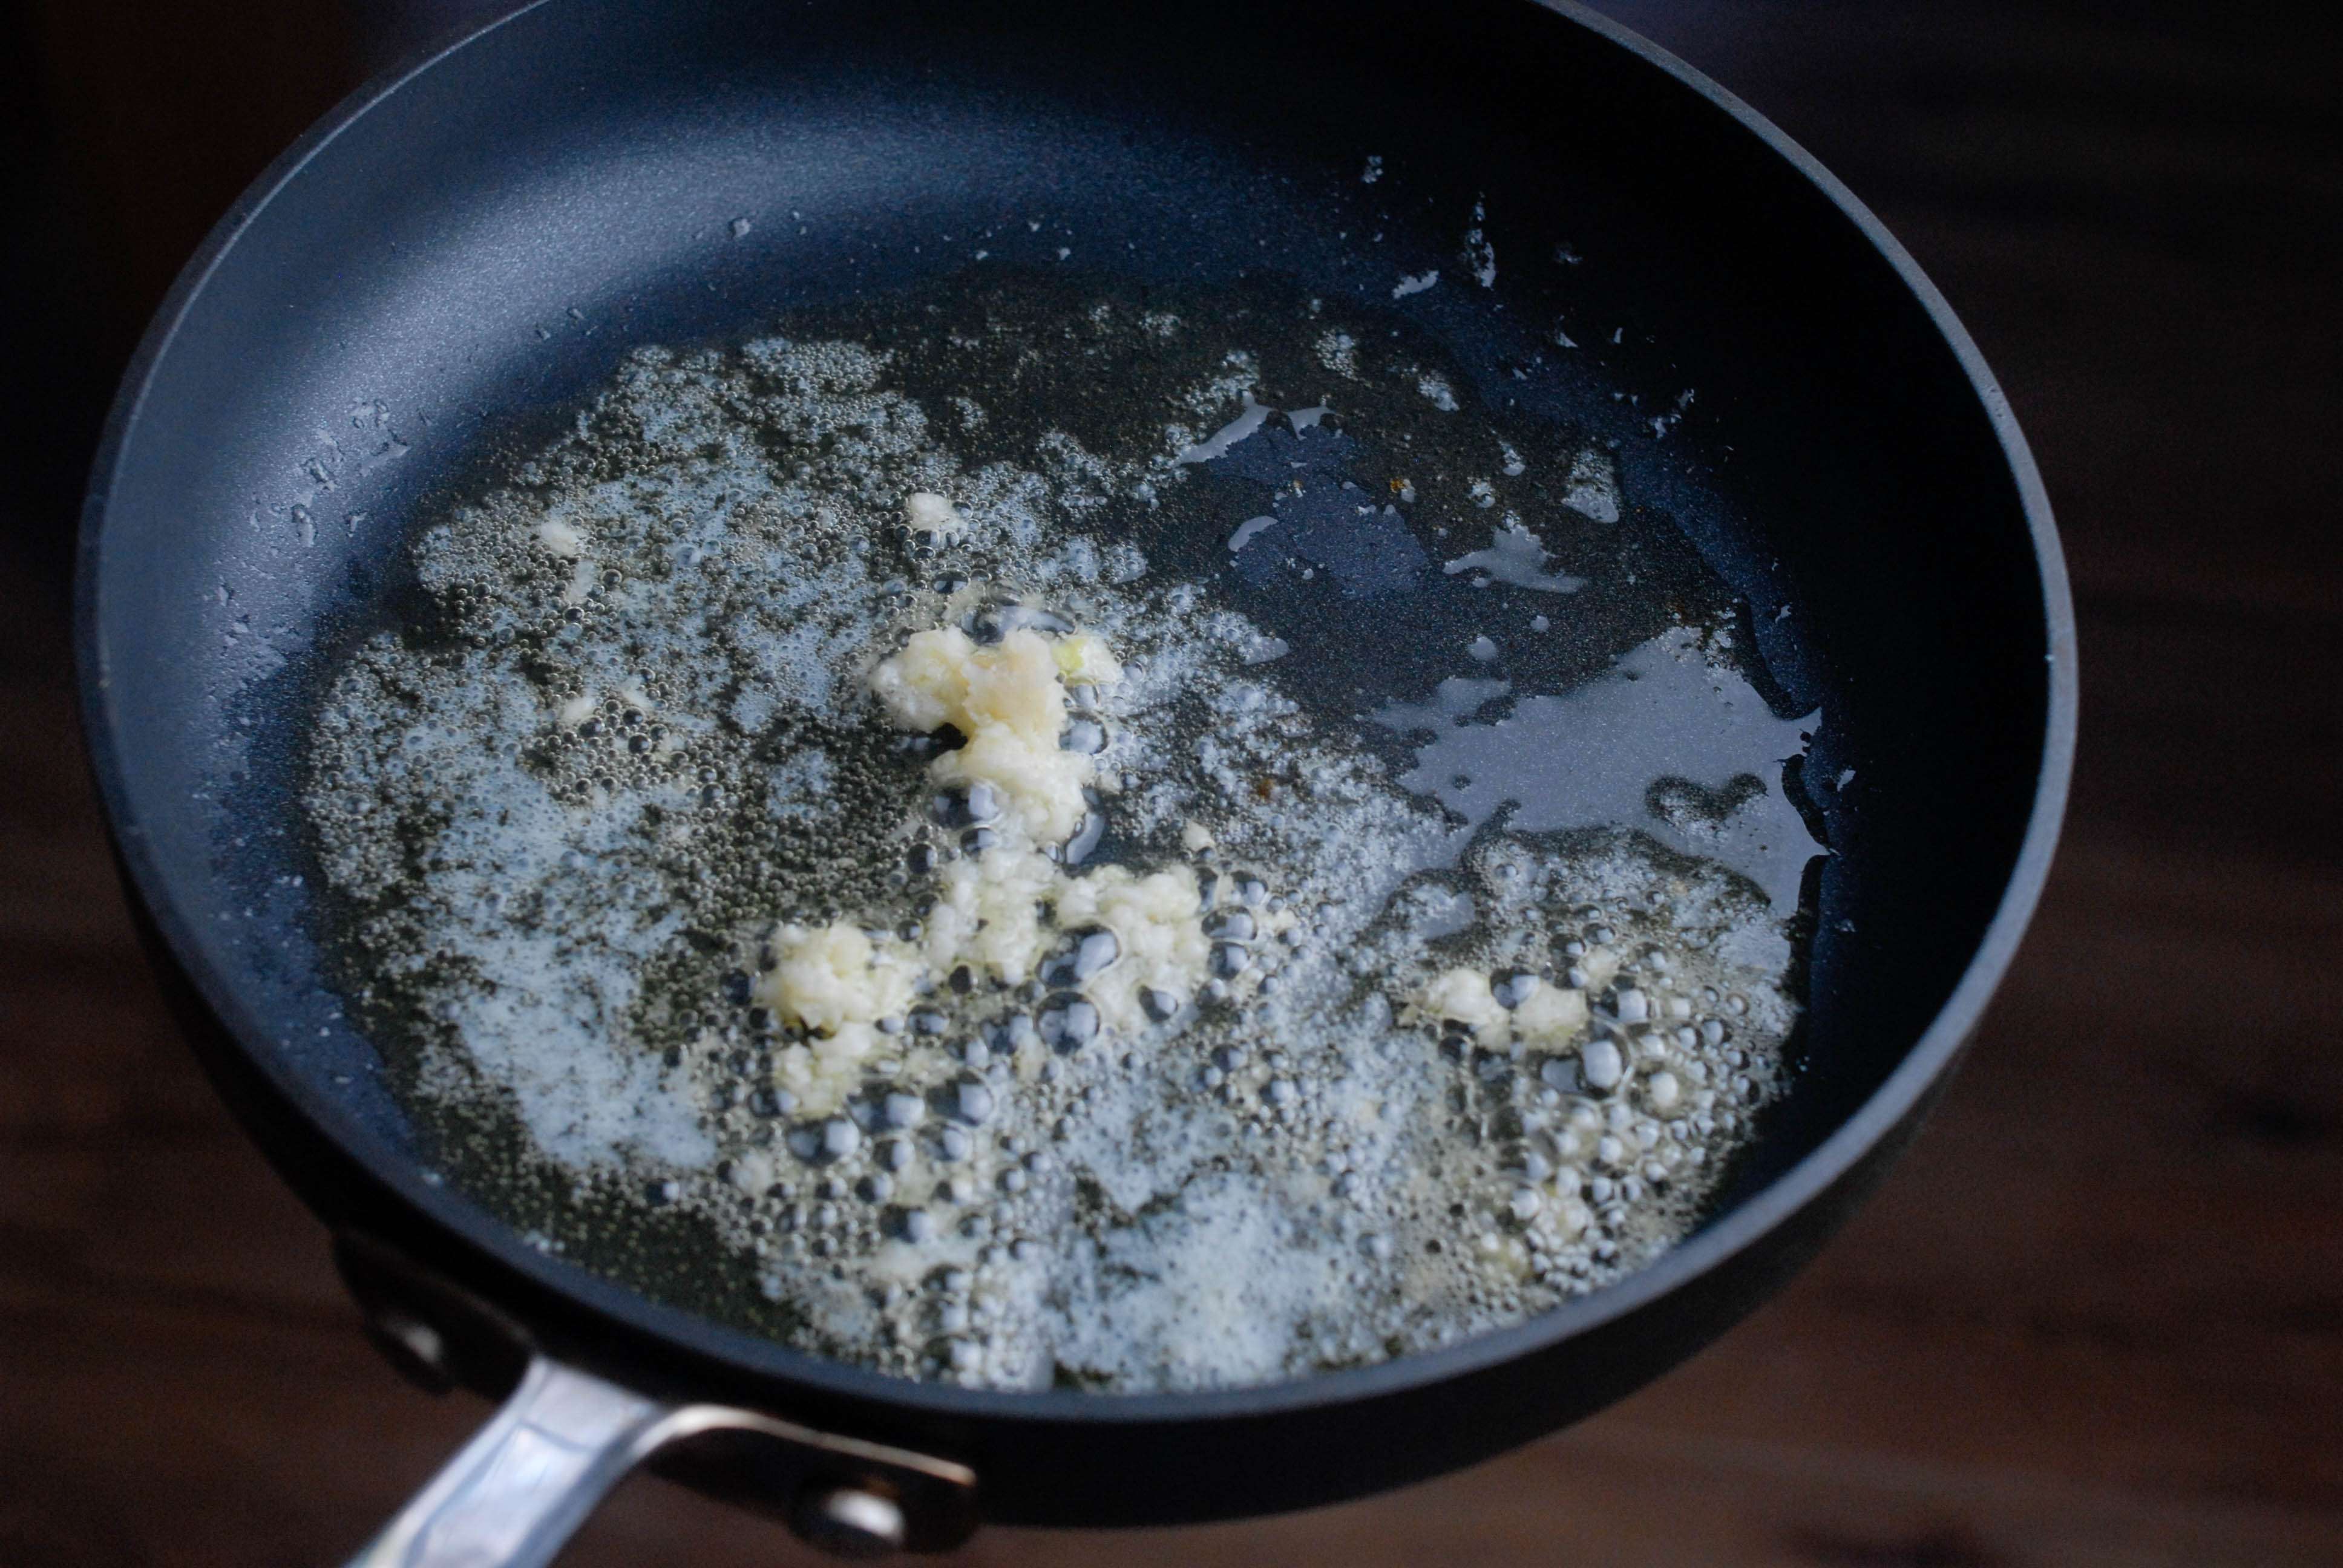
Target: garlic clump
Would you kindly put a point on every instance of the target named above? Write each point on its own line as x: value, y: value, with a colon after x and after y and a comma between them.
x: 1005, y: 907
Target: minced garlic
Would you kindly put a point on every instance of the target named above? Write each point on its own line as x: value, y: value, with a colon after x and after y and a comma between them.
x: 1010, y: 700
x: 1542, y: 1016
x: 1000, y: 911
x: 1550, y: 1016
x: 1465, y: 996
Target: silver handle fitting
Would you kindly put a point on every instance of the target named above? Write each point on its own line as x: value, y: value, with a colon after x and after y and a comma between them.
x: 514, y: 1495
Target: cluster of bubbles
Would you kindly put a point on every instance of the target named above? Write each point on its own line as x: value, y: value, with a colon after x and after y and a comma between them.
x: 936, y: 1183
x: 1600, y: 1142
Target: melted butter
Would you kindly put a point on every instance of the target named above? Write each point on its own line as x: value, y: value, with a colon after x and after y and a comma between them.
x: 705, y: 979
x: 1669, y: 743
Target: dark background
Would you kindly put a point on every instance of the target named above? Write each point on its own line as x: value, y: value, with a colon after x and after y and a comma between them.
x: 2096, y: 1316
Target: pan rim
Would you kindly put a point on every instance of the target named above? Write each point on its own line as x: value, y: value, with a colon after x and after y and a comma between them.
x: 686, y: 1337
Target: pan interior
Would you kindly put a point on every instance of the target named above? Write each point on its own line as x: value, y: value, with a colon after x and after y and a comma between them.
x: 484, y: 245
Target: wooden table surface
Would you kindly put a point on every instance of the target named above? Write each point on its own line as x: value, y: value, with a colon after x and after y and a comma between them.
x: 2094, y: 1317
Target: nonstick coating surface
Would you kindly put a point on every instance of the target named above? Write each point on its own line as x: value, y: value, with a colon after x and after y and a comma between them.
x: 489, y: 234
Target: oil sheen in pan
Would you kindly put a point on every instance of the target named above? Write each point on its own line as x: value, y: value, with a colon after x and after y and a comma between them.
x: 1436, y: 748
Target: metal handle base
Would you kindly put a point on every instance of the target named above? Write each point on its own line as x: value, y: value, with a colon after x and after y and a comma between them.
x: 521, y: 1487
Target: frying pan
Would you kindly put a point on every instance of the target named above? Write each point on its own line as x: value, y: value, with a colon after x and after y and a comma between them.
x: 490, y: 230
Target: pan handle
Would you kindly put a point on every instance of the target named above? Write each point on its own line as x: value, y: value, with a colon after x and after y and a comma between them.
x: 525, y: 1483
x: 565, y: 1437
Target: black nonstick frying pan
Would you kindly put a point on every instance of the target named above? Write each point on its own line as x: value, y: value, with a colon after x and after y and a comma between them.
x: 490, y: 231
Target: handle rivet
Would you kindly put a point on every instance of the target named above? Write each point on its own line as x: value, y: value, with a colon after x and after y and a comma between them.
x: 848, y: 1521
x: 417, y: 1350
